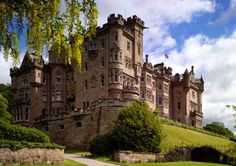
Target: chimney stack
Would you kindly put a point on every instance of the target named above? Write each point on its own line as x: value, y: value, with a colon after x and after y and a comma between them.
x: 146, y: 58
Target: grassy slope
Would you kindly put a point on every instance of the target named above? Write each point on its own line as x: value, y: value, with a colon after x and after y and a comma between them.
x: 176, y: 136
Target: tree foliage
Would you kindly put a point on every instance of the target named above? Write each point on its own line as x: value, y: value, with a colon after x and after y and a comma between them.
x: 4, y: 114
x: 5, y: 90
x: 55, y: 24
x: 136, y: 128
x: 219, y: 128
x: 233, y: 107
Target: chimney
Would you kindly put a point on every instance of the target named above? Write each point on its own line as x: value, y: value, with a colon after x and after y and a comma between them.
x: 192, y: 70
x: 146, y: 58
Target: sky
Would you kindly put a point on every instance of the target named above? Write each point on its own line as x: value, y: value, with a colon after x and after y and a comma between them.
x: 201, y: 33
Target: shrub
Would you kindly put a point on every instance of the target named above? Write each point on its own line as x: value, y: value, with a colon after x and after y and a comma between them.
x: 102, y: 145
x: 20, y: 133
x: 16, y: 145
x: 136, y: 128
x: 206, y: 154
x: 179, y: 154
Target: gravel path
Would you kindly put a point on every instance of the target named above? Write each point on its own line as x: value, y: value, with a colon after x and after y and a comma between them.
x: 87, y: 161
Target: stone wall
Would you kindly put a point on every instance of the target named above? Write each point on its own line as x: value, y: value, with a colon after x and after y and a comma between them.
x: 131, y: 157
x: 30, y: 156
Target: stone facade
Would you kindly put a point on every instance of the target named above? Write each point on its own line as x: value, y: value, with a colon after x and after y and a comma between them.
x: 72, y: 106
x: 31, y: 156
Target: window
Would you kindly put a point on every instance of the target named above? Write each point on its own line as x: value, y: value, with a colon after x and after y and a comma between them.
x: 44, y: 79
x: 87, y: 104
x: 116, y: 55
x: 21, y: 114
x: 25, y: 80
x: 17, y: 115
x: 85, y: 85
x: 160, y: 86
x: 62, y: 126
x: 84, y: 105
x: 116, y: 75
x: 44, y: 97
x: 85, y: 66
x: 102, y: 44
x: 178, y: 106
x: 149, y: 95
x: 142, y: 94
x: 142, y: 77
x: 58, y: 96
x: 78, y: 124
x: 26, y: 114
x: 149, y: 79
x: 93, y: 45
x: 128, y: 46
x: 160, y: 101
x: 58, y: 79
x: 102, y: 61
x: 46, y: 128
x: 116, y: 36
x: 102, y: 79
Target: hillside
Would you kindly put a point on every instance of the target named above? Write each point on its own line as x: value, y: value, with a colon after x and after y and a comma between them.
x: 176, y: 136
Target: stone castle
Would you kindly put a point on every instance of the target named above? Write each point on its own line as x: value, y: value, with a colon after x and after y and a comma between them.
x: 71, y: 106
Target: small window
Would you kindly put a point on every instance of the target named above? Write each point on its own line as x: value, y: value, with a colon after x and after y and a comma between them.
x: 26, y: 114
x: 57, y: 60
x: 79, y: 124
x: 102, y: 79
x: 85, y: 66
x: 87, y: 105
x: 102, y: 44
x: 116, y: 55
x: 149, y: 79
x: 46, y: 128
x: 62, y: 126
x: 116, y: 36
x: 85, y: 85
x: 116, y: 75
x: 178, y: 106
x: 44, y: 97
x: 160, y: 86
x: 142, y: 77
x: 128, y: 46
x: 58, y: 96
x: 102, y: 61
x: 58, y: 79
x: 160, y: 101
x: 142, y: 94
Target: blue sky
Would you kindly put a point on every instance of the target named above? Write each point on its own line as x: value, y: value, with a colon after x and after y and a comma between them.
x: 192, y: 32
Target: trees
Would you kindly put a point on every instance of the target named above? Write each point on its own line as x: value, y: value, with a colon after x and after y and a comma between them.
x: 4, y: 114
x: 219, y: 128
x: 136, y: 128
x: 233, y: 107
x: 47, y: 24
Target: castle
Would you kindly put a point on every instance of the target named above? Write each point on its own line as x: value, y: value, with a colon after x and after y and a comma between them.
x: 71, y: 106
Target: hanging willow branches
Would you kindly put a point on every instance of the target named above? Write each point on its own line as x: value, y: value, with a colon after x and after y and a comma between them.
x: 60, y: 25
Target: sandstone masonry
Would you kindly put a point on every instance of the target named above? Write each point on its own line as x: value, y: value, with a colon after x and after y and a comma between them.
x: 31, y: 156
x: 71, y: 106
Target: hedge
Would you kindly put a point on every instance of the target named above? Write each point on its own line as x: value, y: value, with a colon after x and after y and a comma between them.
x: 16, y: 145
x: 16, y: 133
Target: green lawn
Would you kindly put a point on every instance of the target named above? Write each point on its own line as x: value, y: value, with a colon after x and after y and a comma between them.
x: 77, y: 151
x: 67, y: 162
x: 176, y: 136
x: 176, y: 164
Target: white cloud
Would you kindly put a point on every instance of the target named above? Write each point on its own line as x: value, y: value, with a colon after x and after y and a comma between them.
x: 215, y: 59
x: 157, y: 16
x: 4, y: 69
